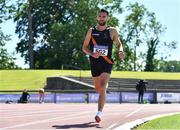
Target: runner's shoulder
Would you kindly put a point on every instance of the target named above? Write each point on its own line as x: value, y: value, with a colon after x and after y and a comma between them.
x: 112, y: 28
x: 90, y: 29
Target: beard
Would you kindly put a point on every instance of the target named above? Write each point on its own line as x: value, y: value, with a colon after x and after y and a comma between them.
x: 101, y: 23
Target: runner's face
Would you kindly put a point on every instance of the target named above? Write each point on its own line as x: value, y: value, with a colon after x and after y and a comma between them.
x: 102, y: 18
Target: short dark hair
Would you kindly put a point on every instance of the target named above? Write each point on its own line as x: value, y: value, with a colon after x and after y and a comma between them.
x: 104, y: 11
x: 143, y: 81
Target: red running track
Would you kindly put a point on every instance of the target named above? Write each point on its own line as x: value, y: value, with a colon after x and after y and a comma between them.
x: 76, y: 116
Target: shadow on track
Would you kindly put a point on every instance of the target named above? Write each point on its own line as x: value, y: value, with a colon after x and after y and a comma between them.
x: 83, y: 125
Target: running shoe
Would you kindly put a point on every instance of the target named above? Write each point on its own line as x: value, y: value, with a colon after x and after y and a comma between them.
x: 97, y: 118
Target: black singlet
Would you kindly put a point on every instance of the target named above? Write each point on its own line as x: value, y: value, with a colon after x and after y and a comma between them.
x: 104, y: 45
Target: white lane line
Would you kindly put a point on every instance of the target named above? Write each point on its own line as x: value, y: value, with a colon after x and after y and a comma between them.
x: 128, y: 115
x: 74, y: 116
x: 111, y: 126
x: 47, y: 120
x: 37, y: 113
x: 137, y: 110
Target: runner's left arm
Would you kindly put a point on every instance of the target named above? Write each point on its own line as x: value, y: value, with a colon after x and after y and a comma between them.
x: 118, y: 43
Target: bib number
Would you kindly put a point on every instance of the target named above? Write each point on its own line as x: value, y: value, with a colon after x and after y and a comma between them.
x: 102, y: 49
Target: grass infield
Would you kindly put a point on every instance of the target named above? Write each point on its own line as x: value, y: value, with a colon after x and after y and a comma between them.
x: 164, y: 123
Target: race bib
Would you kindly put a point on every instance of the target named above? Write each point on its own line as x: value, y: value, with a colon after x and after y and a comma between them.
x: 102, y: 49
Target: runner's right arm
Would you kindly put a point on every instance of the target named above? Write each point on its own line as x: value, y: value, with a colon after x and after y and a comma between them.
x: 85, y: 46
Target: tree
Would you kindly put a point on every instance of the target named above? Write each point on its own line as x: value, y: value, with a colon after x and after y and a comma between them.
x: 133, y: 28
x: 30, y: 35
x: 142, y: 30
x: 168, y: 66
x: 44, y: 18
x: 152, y: 44
x: 6, y: 61
x: 6, y: 10
x: 58, y: 30
x: 153, y: 33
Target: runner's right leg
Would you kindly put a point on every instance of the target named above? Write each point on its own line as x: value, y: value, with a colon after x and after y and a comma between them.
x: 100, y: 83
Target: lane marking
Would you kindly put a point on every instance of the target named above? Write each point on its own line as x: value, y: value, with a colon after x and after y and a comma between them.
x: 128, y: 115
x: 46, y: 120
x: 29, y: 115
x: 133, y: 112
x: 111, y: 126
x: 35, y: 113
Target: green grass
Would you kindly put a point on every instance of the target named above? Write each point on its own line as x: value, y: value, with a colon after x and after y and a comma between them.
x: 146, y: 75
x: 35, y: 79
x: 29, y: 79
x: 167, y: 122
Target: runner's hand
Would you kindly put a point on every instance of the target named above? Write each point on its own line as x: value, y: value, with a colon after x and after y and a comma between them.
x: 121, y: 55
x: 96, y: 55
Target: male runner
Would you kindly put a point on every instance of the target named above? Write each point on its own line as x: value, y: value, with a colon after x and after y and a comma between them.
x: 98, y: 45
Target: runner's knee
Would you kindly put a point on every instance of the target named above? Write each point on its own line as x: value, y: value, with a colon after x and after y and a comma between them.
x: 102, y: 91
x: 103, y: 84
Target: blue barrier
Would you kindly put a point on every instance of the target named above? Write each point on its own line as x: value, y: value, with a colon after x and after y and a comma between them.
x: 131, y: 97
x: 112, y: 97
x: 9, y: 97
x: 75, y: 98
x: 48, y: 98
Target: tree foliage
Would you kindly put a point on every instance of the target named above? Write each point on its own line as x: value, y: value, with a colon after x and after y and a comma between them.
x: 142, y: 30
x: 168, y: 66
x: 59, y: 29
x: 6, y: 61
